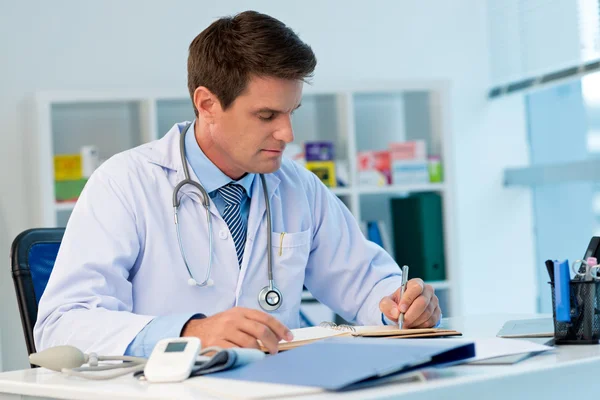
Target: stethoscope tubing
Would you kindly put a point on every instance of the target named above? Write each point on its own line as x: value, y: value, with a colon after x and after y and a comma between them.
x: 263, y: 296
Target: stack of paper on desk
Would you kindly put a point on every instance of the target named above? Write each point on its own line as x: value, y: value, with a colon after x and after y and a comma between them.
x: 304, y: 336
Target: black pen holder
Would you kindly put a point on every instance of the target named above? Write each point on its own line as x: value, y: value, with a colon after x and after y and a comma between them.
x: 584, y: 327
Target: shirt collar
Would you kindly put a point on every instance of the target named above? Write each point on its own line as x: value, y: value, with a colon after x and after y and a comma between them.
x: 209, y: 175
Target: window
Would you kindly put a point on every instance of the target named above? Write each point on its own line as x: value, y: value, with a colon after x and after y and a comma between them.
x: 564, y: 135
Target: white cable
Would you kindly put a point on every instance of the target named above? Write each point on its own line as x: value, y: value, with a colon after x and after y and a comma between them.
x: 93, y: 368
x: 100, y: 377
x: 123, y: 358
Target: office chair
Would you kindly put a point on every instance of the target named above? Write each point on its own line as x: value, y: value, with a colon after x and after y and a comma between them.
x: 32, y: 255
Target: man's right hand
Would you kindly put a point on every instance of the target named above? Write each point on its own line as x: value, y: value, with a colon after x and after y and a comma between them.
x: 239, y: 327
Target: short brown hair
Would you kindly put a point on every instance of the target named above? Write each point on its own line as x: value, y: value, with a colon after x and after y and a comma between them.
x: 225, y: 55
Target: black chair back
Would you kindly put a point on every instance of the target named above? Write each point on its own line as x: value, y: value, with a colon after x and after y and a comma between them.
x: 32, y: 255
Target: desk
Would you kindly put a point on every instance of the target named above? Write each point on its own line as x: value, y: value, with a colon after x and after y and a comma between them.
x: 568, y: 372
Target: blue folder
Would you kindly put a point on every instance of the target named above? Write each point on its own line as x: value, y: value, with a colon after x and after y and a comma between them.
x: 345, y: 363
x: 562, y: 291
x: 374, y: 235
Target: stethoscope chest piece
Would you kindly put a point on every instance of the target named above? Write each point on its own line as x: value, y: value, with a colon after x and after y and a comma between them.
x: 270, y: 298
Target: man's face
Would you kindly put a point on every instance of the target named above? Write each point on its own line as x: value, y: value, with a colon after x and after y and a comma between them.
x: 253, y: 132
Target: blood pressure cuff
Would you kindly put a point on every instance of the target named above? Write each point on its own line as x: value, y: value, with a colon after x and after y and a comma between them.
x: 226, y: 359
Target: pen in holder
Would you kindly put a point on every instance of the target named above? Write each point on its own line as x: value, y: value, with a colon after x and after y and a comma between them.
x: 575, y: 303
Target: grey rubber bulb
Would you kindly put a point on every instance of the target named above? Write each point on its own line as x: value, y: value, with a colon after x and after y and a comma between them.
x: 59, y: 357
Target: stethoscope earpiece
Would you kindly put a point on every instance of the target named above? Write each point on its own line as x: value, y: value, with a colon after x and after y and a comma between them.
x: 270, y: 297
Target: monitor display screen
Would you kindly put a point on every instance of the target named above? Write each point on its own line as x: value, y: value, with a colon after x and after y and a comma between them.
x: 175, y: 347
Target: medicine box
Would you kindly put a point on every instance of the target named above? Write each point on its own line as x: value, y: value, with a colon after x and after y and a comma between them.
x: 325, y: 170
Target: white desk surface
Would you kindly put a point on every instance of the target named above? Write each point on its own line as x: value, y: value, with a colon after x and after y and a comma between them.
x: 567, y: 372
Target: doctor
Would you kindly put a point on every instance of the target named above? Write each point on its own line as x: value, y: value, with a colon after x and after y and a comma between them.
x: 231, y: 271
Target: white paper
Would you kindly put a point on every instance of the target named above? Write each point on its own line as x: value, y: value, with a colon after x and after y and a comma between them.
x: 499, y: 347
x: 314, y: 332
x: 378, y: 328
x: 318, y: 332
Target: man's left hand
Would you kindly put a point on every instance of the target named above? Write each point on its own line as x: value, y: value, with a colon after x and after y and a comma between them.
x: 419, y: 303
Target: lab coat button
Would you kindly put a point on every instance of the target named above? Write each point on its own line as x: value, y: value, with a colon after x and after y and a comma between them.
x: 223, y: 234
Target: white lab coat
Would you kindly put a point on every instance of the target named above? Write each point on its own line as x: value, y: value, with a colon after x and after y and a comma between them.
x: 119, y: 264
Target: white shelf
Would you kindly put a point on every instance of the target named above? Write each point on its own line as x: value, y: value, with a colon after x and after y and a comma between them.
x: 338, y: 191
x: 342, y: 191
x: 64, y: 206
x: 421, y: 187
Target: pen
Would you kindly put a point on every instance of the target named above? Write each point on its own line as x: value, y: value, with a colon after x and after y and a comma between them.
x: 402, y: 289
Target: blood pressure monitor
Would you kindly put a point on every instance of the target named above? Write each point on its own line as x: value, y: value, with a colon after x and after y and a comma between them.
x: 172, y: 359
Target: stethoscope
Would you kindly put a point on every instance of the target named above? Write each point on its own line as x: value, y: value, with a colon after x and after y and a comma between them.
x: 269, y: 298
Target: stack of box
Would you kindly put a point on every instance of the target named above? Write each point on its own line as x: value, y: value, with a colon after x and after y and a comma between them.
x: 68, y: 177
x: 71, y: 173
x: 403, y: 163
x: 435, y: 169
x: 409, y: 162
x: 374, y: 168
x: 319, y: 160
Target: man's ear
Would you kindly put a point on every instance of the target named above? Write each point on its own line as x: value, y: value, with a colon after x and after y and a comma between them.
x: 207, y: 104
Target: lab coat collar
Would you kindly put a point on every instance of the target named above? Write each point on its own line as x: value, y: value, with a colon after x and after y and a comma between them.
x: 165, y: 153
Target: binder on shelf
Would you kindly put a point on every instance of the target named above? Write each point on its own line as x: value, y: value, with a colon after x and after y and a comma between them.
x: 418, y: 235
x: 376, y: 232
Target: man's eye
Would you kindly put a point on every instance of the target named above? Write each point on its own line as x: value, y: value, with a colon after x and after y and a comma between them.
x: 266, y: 116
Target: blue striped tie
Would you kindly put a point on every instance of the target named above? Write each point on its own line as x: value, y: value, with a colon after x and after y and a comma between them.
x: 233, y: 195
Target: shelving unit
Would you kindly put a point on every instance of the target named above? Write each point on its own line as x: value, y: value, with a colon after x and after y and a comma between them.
x: 338, y: 191
x: 355, y: 119
x: 425, y: 187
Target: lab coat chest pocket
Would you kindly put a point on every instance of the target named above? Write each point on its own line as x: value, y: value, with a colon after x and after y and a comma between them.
x: 290, y: 257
